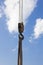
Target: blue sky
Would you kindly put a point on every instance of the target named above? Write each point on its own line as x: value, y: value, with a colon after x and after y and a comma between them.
x: 33, y: 35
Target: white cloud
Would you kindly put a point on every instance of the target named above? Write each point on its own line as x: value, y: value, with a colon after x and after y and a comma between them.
x: 30, y: 39
x: 38, y: 28
x: 0, y: 12
x: 28, y: 7
x: 12, y: 12
x: 0, y: 15
x: 14, y: 49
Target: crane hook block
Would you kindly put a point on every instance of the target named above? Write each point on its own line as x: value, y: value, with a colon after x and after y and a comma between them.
x: 20, y: 27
